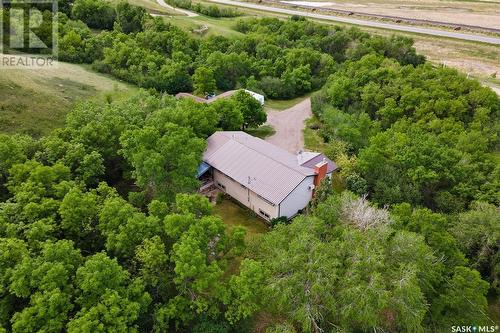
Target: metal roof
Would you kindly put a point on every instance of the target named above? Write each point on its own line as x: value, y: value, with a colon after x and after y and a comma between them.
x: 202, y: 168
x: 311, y: 160
x: 264, y: 168
x: 226, y: 94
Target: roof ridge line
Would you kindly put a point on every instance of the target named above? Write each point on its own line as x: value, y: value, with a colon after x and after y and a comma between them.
x: 270, y: 156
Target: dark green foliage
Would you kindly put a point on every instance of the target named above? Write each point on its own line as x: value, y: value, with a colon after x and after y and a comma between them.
x: 434, y: 227
x: 478, y: 235
x: 322, y: 192
x: 13, y: 149
x: 210, y: 10
x: 347, y: 267
x: 75, y: 256
x: 215, y: 11
x: 462, y: 301
x: 130, y: 18
x: 252, y: 111
x: 278, y: 220
x: 96, y: 14
x: 423, y: 135
x: 282, y: 59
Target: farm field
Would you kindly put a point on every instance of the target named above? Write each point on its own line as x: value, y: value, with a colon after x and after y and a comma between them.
x: 36, y: 101
x: 476, y: 13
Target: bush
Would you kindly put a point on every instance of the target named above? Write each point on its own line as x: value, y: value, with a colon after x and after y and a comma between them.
x: 130, y: 18
x: 96, y: 14
x: 219, y: 198
x: 278, y: 220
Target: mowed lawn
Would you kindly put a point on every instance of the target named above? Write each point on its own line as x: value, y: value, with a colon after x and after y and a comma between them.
x: 262, y: 131
x: 36, y: 101
x: 216, y: 26
x: 235, y: 215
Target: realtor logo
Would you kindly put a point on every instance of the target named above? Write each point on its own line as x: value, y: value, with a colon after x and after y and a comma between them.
x: 28, y: 35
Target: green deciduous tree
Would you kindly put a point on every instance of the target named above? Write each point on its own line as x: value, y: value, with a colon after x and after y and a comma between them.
x: 252, y: 111
x: 478, y: 234
x: 230, y: 116
x: 320, y: 282
x: 108, y: 297
x: 95, y: 13
x: 130, y: 18
x: 164, y: 158
x: 203, y: 81
x: 463, y: 301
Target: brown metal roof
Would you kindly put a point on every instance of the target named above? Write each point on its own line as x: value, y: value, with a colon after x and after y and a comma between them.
x: 320, y: 158
x: 206, y: 101
x: 266, y: 169
x: 193, y: 97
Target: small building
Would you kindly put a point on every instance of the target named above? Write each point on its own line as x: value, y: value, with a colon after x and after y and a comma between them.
x: 267, y: 179
x: 229, y: 93
x: 258, y: 97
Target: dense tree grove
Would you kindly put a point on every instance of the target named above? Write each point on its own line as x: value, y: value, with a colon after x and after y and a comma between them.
x: 77, y: 256
x: 210, y: 10
x: 421, y: 135
x: 281, y: 59
x: 95, y: 13
x: 423, y: 141
x: 351, y: 267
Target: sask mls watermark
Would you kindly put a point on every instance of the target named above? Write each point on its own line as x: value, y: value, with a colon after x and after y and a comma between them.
x: 475, y: 329
x: 28, y: 35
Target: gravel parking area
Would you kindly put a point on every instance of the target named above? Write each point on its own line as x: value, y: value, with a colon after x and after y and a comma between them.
x: 288, y: 125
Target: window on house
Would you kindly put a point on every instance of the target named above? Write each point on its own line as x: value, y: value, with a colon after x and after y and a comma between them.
x: 263, y: 213
x: 221, y: 186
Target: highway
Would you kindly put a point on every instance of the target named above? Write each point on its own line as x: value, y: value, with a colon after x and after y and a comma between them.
x: 367, y: 23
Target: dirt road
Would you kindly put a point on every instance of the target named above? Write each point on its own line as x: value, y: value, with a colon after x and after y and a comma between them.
x: 289, y: 124
x: 183, y: 11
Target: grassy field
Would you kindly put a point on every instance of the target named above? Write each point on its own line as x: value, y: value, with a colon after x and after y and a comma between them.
x: 151, y: 6
x: 278, y: 104
x: 216, y: 26
x: 261, y: 132
x: 36, y: 101
x: 312, y: 140
x: 235, y: 215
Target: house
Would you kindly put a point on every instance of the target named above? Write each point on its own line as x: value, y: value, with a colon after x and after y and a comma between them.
x: 258, y: 97
x: 267, y: 179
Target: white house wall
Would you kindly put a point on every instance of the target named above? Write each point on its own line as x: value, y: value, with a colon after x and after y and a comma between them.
x: 242, y: 194
x: 297, y: 199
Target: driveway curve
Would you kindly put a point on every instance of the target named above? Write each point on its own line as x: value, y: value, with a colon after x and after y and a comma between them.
x: 289, y: 126
x: 183, y: 11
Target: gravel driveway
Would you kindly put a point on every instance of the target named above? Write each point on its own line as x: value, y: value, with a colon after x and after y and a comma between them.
x: 288, y: 125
